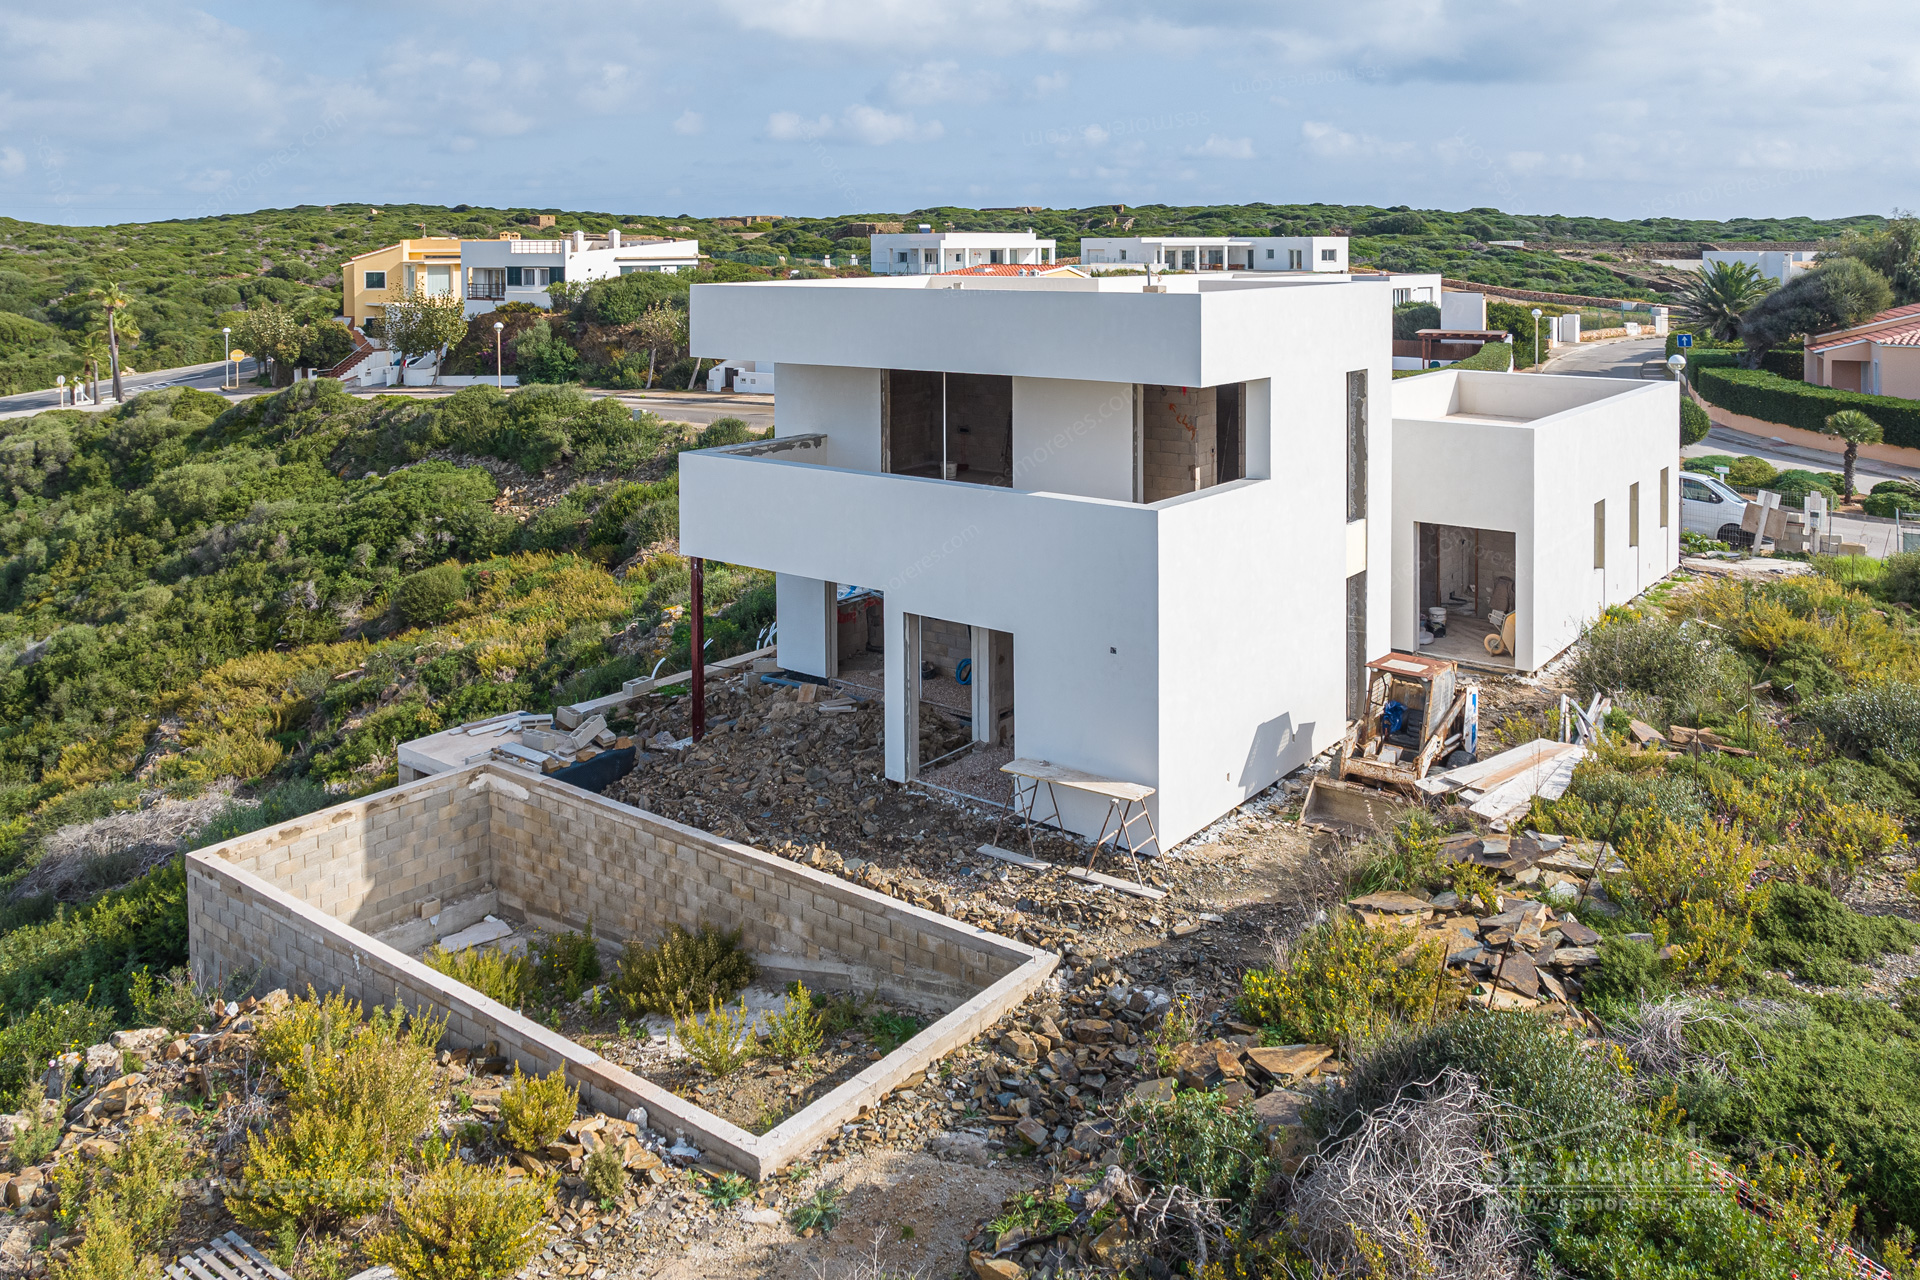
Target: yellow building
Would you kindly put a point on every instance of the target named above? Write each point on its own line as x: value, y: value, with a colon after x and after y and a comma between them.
x: 431, y: 265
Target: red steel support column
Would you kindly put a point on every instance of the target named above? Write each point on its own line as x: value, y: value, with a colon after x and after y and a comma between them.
x: 697, y: 609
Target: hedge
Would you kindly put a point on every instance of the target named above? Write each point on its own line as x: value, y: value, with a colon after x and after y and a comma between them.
x: 1495, y: 356
x: 1772, y: 398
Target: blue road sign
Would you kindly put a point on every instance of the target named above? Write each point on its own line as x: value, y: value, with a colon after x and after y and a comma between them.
x: 1683, y: 340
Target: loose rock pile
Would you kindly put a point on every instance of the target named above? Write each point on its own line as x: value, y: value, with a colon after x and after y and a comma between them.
x: 1529, y: 951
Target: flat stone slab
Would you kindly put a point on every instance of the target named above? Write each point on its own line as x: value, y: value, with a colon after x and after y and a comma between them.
x: 1289, y: 1060
x: 491, y: 929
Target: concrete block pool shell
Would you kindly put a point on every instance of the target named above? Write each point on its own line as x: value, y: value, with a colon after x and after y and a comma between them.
x: 332, y: 900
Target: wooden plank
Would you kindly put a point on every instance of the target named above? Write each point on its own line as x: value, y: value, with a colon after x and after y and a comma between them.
x: 1487, y: 775
x: 198, y: 1269
x: 1020, y: 860
x: 222, y: 1267
x: 1091, y: 783
x: 1115, y: 883
x: 259, y: 1259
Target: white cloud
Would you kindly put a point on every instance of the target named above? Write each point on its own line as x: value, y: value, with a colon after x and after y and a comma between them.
x: 13, y: 161
x: 1047, y: 86
x: 690, y: 123
x: 1093, y: 135
x: 1217, y: 147
x: 1330, y: 140
x: 858, y: 123
x: 789, y: 126
x: 932, y: 82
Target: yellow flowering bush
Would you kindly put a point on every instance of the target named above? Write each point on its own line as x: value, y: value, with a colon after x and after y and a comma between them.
x: 1346, y: 984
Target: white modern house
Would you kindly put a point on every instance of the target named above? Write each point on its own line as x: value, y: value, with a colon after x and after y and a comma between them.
x: 1163, y: 520
x: 1216, y: 253
x: 929, y: 252
x: 1777, y: 265
x: 512, y: 269
x: 1542, y: 496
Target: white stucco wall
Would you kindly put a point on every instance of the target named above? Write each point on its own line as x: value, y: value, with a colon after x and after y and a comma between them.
x: 840, y: 403
x: 1073, y: 437
x: 1580, y: 440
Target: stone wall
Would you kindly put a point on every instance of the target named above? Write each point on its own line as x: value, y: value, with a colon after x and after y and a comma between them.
x: 1177, y: 435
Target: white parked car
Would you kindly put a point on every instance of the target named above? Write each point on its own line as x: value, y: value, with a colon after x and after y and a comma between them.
x: 1710, y: 508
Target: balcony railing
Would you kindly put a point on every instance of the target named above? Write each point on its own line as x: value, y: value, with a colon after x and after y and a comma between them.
x: 486, y: 293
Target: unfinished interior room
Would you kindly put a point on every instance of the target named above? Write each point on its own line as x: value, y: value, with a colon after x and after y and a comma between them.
x: 1523, y: 506
x: 1059, y: 497
x: 349, y: 898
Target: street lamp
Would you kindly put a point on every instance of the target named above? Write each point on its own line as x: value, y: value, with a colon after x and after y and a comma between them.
x: 498, y: 381
x: 1677, y: 362
x: 226, y: 363
x: 1536, y: 339
x: 60, y: 388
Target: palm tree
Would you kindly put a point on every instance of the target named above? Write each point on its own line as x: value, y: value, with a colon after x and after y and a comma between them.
x: 1720, y: 293
x: 113, y: 299
x: 1856, y: 428
x: 90, y: 351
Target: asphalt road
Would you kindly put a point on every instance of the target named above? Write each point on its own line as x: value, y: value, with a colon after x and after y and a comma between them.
x: 207, y: 377
x: 1612, y: 358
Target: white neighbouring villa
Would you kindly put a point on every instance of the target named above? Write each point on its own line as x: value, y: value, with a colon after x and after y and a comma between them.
x: 1163, y: 523
x: 930, y: 252
x: 1216, y: 253
x: 511, y: 269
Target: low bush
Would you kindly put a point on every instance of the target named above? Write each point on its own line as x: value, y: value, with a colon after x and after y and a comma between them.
x: 1628, y: 972
x: 1684, y: 668
x: 107, y: 1252
x: 322, y: 1167
x: 682, y: 971
x: 174, y: 1000
x: 794, y: 1034
x: 1884, y: 716
x: 818, y: 1212
x: 605, y: 1174
x: 430, y: 595
x: 1901, y: 581
x: 1750, y: 472
x: 41, y: 1135
x: 139, y: 1185
x: 1551, y: 1090
x: 1772, y: 398
x: 1667, y: 1216
x: 1346, y: 984
x: 568, y: 963
x: 1813, y: 1073
x: 1198, y: 1142
x: 464, y: 1222
x: 1809, y: 933
x: 380, y: 1072
x: 537, y: 1109
x: 721, y: 1042
x: 494, y: 974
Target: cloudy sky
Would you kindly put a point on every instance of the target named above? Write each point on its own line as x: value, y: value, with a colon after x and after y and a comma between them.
x: 141, y: 109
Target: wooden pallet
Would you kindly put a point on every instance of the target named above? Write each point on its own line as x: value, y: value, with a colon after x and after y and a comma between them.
x: 225, y: 1257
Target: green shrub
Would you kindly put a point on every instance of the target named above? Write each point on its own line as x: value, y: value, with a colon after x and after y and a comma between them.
x: 1411, y: 317
x: 1772, y: 398
x: 36, y: 1142
x: 1628, y: 972
x: 604, y: 1174
x: 1556, y: 1090
x: 568, y: 963
x: 794, y: 1034
x: 1197, y: 1141
x: 1889, y: 505
x: 107, y: 1252
x: 464, y: 1222
x: 288, y: 800
x: 1663, y: 1215
x: 1876, y: 717
x: 174, y: 1001
x: 321, y: 1167
x: 1751, y: 472
x: 536, y: 1109
x: 1813, y: 1073
x: 1347, y: 984
x: 139, y: 1185
x: 377, y: 1074
x: 818, y: 1212
x: 494, y: 974
x: 1794, y: 485
x: 1901, y: 581
x: 1806, y: 931
x: 724, y: 431
x: 1680, y: 666
x: 682, y: 971
x: 721, y: 1042
x: 429, y: 596
x: 1694, y: 422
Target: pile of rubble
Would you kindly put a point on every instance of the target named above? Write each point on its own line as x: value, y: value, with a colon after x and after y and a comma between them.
x: 1530, y: 949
